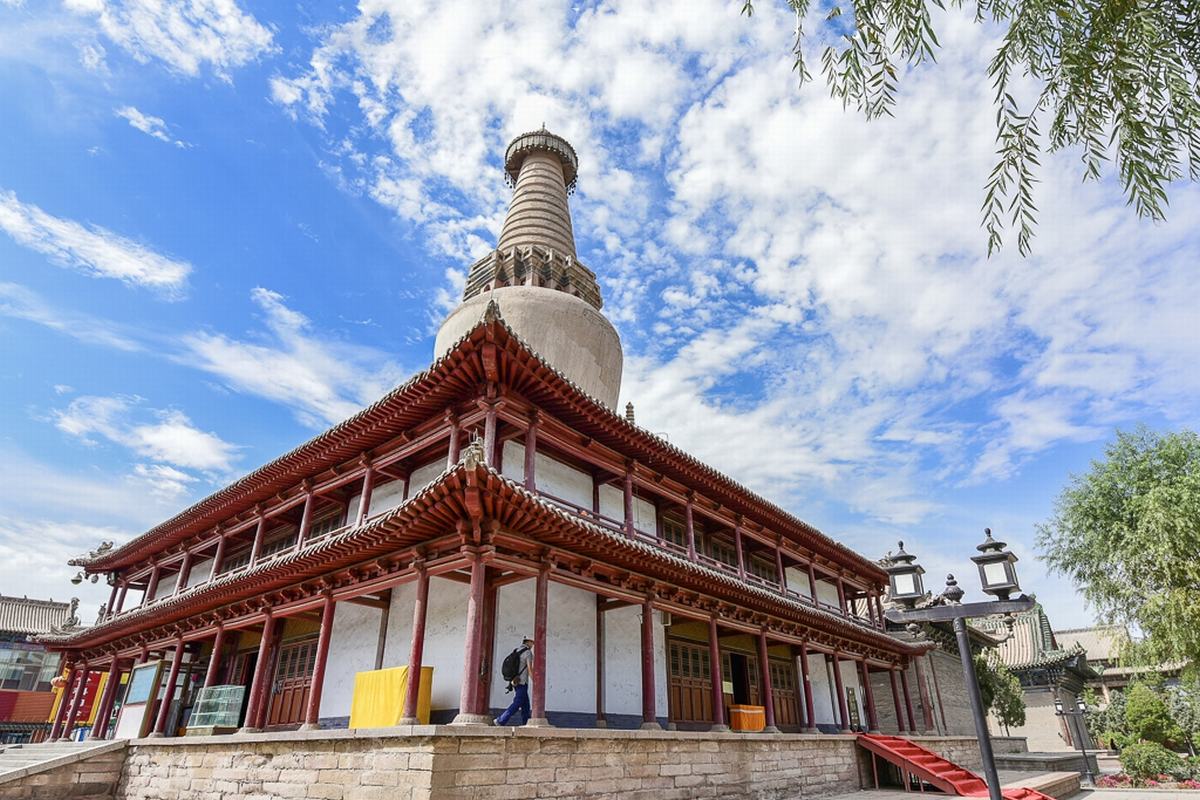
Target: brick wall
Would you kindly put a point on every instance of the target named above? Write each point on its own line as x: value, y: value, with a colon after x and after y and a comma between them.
x: 494, y: 764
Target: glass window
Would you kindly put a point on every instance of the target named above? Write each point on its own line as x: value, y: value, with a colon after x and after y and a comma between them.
x: 673, y: 531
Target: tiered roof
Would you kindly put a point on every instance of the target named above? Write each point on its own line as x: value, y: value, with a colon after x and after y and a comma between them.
x: 25, y: 615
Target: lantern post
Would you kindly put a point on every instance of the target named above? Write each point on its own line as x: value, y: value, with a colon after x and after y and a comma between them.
x: 999, y: 579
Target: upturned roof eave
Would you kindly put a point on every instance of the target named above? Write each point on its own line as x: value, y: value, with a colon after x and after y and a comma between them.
x: 240, y: 586
x: 297, y: 463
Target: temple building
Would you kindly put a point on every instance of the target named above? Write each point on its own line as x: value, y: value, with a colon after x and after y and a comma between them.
x: 496, y: 495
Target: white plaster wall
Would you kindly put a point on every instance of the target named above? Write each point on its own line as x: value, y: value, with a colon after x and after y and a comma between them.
x: 818, y: 674
x: 570, y: 643
x: 166, y: 585
x: 850, y: 681
x: 384, y: 497
x: 612, y: 504
x: 355, y: 636
x: 423, y: 476
x: 623, y: 662
x: 512, y: 461
x: 797, y: 580
x: 445, y: 638
x: 200, y: 572
x: 827, y: 593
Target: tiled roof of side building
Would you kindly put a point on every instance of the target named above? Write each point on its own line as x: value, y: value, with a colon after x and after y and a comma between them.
x: 1032, y: 643
x: 1102, y: 642
x: 27, y: 615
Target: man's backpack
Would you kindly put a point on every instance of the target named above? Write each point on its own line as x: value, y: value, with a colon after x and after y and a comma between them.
x: 511, y: 668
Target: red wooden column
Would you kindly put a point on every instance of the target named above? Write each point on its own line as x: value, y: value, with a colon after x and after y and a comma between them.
x: 601, y: 717
x: 152, y: 584
x: 540, y: 601
x: 259, y: 532
x: 112, y: 599
x: 258, y: 689
x: 718, y: 680
x: 416, y: 649
x: 869, y: 694
x: 164, y: 708
x: 489, y: 434
x: 305, y: 515
x: 100, y: 728
x: 454, y: 448
x: 185, y: 573
x: 779, y: 573
x: 219, y: 557
x: 629, y: 497
x: 843, y: 713
x: 810, y: 716
x: 841, y: 587
x: 472, y: 652
x: 649, y: 715
x: 768, y: 693
x: 912, y: 722
x: 871, y: 608
x: 690, y: 525
x: 737, y: 546
x: 60, y: 717
x: 312, y: 715
x: 214, y: 661
x: 120, y: 597
x: 364, y: 499
x: 531, y: 452
x: 812, y: 584
x: 923, y: 690
x: 76, y: 702
x: 896, y: 701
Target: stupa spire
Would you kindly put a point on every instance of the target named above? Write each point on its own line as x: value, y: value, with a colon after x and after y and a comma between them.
x: 537, y: 242
x: 541, y: 167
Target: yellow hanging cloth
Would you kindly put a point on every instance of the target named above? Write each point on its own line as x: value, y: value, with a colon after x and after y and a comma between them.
x: 378, y: 700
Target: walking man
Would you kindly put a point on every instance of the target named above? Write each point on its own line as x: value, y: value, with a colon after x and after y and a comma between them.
x: 517, y: 669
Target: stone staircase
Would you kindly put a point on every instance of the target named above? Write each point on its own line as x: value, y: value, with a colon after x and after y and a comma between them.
x: 76, y: 768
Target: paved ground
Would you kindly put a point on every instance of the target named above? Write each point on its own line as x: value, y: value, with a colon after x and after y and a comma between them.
x: 1107, y: 794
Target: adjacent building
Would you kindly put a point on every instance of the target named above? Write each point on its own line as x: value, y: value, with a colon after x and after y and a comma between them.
x: 27, y: 667
x: 1049, y: 670
x: 1102, y: 645
x: 496, y: 495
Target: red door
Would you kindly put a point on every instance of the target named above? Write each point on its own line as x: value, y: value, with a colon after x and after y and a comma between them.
x: 690, y: 684
x: 293, y: 679
x: 783, y: 690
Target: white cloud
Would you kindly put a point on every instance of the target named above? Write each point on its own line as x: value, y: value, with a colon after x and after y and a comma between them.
x: 186, y: 35
x: 322, y: 379
x: 41, y: 571
x: 19, y: 302
x: 169, y: 437
x: 812, y: 286
x: 150, y: 125
x: 91, y: 249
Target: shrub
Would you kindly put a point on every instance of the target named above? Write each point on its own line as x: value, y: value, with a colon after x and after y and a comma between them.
x: 1146, y: 760
x: 1148, y: 717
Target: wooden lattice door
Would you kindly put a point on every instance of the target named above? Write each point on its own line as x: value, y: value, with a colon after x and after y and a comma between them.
x: 783, y: 690
x: 690, y: 683
x: 293, y: 680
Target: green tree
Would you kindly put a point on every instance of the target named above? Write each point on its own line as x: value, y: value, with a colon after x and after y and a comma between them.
x: 1000, y: 690
x: 1127, y: 533
x: 1107, y: 724
x: 1184, y: 704
x: 1115, y: 78
x: 1148, y: 718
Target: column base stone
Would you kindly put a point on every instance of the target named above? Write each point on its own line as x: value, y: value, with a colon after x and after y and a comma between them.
x: 409, y: 721
x: 651, y: 726
x: 811, y: 730
x: 310, y: 726
x: 472, y: 719
x: 601, y: 723
x: 718, y: 729
x: 249, y: 730
x: 538, y: 722
x: 770, y: 729
x: 154, y: 735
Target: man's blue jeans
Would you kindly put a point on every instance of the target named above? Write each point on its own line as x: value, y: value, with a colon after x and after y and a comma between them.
x: 520, y: 703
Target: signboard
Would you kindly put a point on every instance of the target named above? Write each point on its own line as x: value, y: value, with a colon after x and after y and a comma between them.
x: 852, y: 705
x: 137, y: 711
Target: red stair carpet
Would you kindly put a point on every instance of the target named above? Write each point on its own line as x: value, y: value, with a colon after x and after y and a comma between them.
x: 935, y: 770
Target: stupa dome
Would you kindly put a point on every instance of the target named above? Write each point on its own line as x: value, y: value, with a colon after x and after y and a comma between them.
x: 549, y: 298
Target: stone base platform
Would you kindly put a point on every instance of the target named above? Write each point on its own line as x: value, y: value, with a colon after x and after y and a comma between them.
x: 486, y: 763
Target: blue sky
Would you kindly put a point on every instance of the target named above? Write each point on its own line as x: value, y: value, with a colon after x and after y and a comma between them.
x: 225, y: 226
